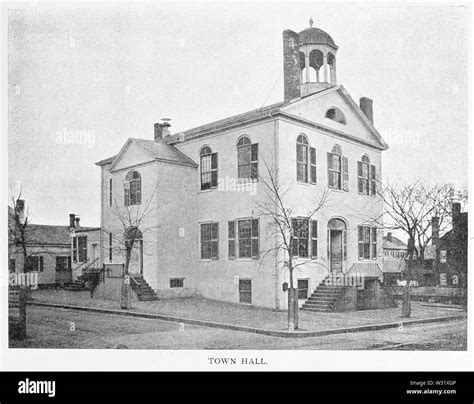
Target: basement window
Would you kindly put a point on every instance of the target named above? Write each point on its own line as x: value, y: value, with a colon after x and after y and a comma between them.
x: 176, y: 282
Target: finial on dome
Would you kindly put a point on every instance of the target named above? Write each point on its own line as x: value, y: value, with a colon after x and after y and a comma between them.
x: 311, y: 22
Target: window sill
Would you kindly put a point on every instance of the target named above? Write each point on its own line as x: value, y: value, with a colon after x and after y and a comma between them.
x: 208, y: 260
x: 203, y: 191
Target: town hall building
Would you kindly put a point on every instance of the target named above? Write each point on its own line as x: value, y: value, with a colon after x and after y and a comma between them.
x: 198, y: 194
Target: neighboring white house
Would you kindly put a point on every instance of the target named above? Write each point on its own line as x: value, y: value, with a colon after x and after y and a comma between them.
x: 202, y: 188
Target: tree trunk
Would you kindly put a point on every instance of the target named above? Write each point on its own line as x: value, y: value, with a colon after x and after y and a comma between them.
x: 126, y: 293
x: 406, y: 302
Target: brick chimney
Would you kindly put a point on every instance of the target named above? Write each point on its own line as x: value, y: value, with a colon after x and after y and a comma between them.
x: 158, y: 131
x: 456, y: 216
x: 389, y: 236
x: 165, y: 126
x: 20, y: 209
x: 434, y: 230
x: 72, y: 216
x: 76, y: 220
x: 366, y: 105
x: 291, y: 65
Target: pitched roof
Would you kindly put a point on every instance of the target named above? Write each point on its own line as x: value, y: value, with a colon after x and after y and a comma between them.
x: 280, y: 108
x: 395, y: 243
x: 161, y: 151
x: 252, y: 115
x: 43, y: 234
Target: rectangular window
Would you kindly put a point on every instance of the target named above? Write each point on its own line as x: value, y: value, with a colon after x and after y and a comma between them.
x: 374, y: 243
x: 314, y: 239
x: 245, y: 291
x: 300, y: 227
x: 110, y: 192
x: 12, y: 265
x: 312, y: 160
x: 110, y: 247
x: 303, y: 285
x: 334, y: 171
x: 248, y: 237
x: 35, y: 263
x: 373, y: 188
x: 247, y: 162
x: 363, y: 177
x: 176, y: 282
x: 302, y: 162
x: 231, y: 237
x: 210, y: 241
x: 82, y: 248
x: 367, y: 242
x: 62, y: 263
x: 209, y: 171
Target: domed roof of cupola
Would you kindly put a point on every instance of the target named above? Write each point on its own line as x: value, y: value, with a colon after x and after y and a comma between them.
x: 315, y: 36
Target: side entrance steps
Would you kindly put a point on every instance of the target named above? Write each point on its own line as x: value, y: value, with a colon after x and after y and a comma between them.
x: 324, y: 298
x: 142, y: 289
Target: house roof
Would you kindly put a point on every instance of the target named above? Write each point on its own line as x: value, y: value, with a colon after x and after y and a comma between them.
x: 394, y: 244
x: 156, y: 150
x: 280, y: 108
x: 42, y: 234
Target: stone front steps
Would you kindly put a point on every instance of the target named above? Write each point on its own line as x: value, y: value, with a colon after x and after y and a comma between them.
x: 142, y: 289
x: 324, y: 298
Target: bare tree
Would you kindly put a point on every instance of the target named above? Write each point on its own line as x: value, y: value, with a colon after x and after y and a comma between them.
x: 131, y: 219
x: 410, y: 208
x: 285, y: 228
x: 18, y: 221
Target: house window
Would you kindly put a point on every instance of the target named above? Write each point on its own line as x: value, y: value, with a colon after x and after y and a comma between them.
x: 12, y: 265
x: 305, y: 161
x: 210, y: 241
x: 110, y: 247
x: 366, y: 177
x: 63, y: 263
x: 336, y: 115
x: 208, y: 168
x: 35, y: 264
x: 247, y: 160
x: 367, y: 242
x: 231, y: 237
x: 79, y: 248
x: 300, y: 228
x: 338, y: 170
x: 110, y: 191
x: 176, y: 282
x: 133, y: 188
x: 248, y: 238
x: 302, y: 159
x: 303, y: 285
x: 245, y: 291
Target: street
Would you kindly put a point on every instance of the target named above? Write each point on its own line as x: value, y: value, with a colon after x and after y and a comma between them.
x: 70, y: 329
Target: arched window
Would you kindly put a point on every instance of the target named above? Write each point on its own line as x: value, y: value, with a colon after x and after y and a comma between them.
x: 366, y: 176
x: 305, y: 160
x: 338, y: 170
x: 336, y: 115
x: 208, y: 168
x: 247, y: 160
x: 133, y: 188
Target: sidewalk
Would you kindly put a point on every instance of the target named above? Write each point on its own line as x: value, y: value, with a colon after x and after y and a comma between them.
x: 200, y: 310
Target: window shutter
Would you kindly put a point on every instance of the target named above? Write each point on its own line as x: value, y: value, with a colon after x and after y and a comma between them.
x: 41, y: 264
x: 314, y: 239
x: 231, y: 241
x: 294, y: 239
x: 372, y: 180
x: 360, y: 183
x: 374, y: 243
x: 214, y: 161
x: 330, y: 167
x: 254, y: 161
x: 329, y: 246
x: 312, y: 165
x: 345, y: 174
x: 215, y: 240
x: 127, y: 196
x: 344, y: 245
x: 255, y: 238
x: 360, y: 231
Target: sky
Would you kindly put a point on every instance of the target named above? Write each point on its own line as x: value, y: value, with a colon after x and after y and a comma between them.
x: 83, y: 80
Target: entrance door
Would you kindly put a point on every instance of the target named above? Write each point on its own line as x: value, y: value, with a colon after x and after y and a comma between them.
x: 336, y: 250
x: 135, y: 266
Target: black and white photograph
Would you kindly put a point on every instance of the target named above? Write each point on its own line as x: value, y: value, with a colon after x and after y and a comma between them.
x: 215, y: 178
